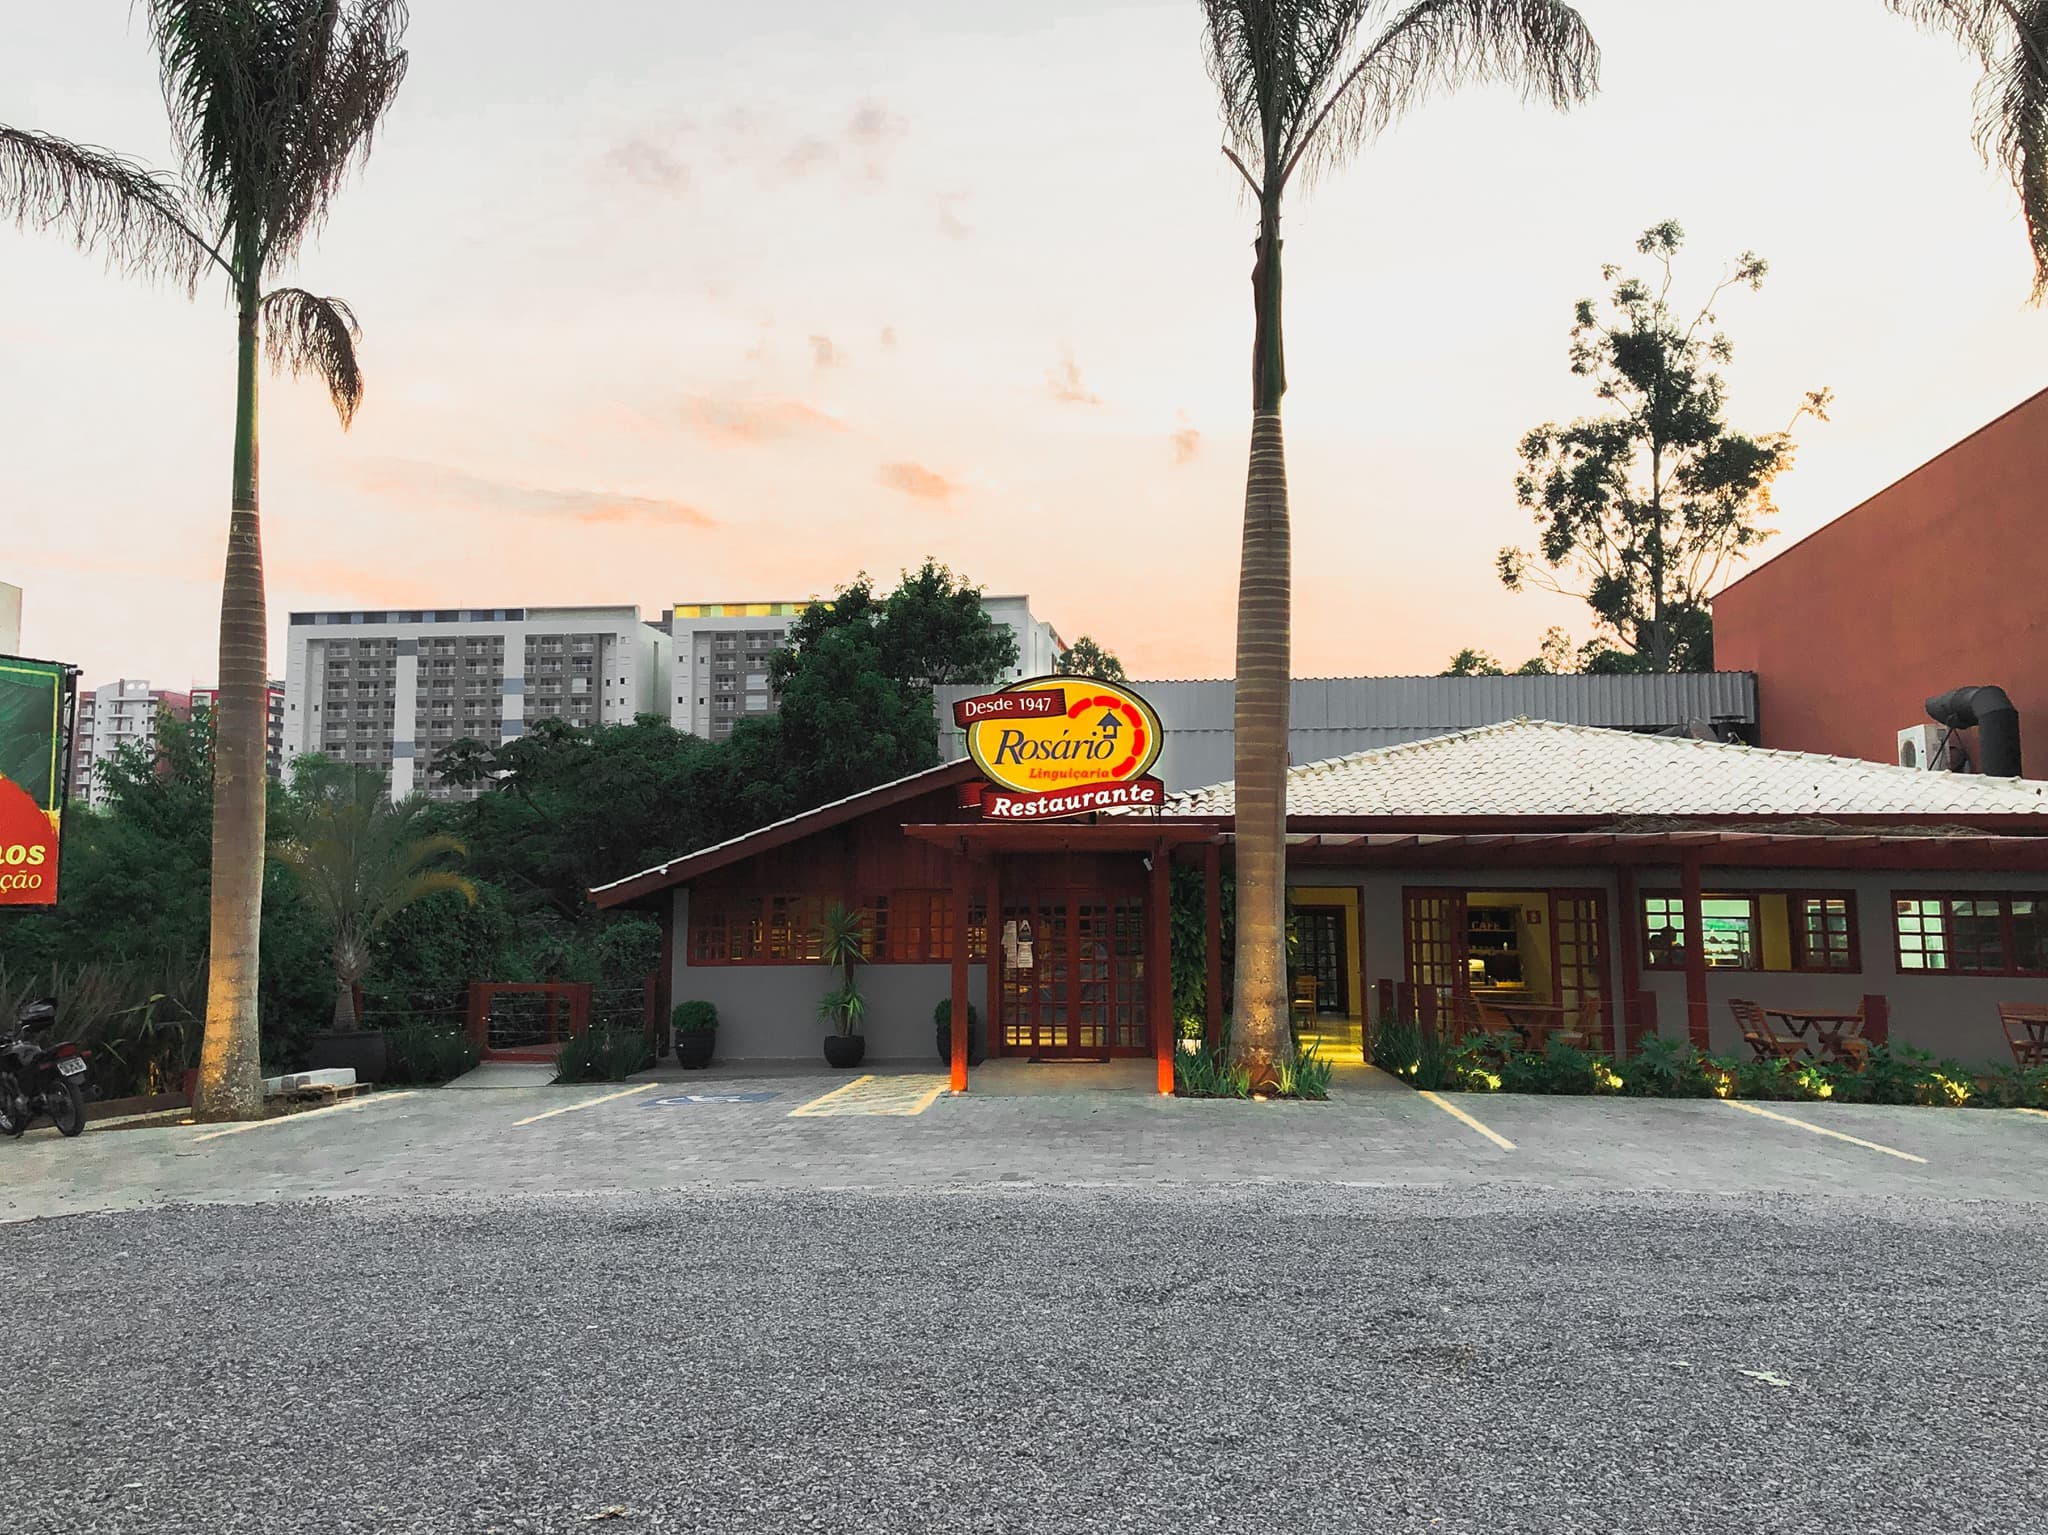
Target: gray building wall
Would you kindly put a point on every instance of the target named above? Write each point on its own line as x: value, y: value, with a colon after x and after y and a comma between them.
x: 1948, y: 1015
x: 1335, y: 716
x: 770, y: 1012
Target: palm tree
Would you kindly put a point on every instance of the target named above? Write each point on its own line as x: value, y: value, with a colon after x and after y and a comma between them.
x: 1304, y: 85
x: 272, y: 103
x: 2010, y: 40
x: 362, y: 860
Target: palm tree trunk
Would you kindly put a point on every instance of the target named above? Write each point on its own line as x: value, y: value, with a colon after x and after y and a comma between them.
x: 1259, y: 1035
x: 230, y: 1078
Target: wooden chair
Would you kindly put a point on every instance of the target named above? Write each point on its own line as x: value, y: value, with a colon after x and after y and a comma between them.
x: 2026, y: 1030
x: 1466, y: 1017
x: 1758, y: 1034
x: 1586, y: 1028
x: 1845, y: 1043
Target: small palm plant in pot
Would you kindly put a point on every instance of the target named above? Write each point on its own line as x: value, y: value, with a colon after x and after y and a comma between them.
x: 696, y: 1030
x: 842, y: 944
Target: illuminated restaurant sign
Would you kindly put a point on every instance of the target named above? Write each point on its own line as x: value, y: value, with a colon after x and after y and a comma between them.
x: 33, y: 699
x: 1061, y: 746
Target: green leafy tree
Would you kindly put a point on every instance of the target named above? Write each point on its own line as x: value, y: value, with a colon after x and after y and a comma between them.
x: 1473, y: 663
x: 928, y: 632
x: 1641, y: 509
x: 272, y: 103
x: 1305, y: 84
x: 2009, y: 40
x: 1085, y: 658
x: 362, y: 859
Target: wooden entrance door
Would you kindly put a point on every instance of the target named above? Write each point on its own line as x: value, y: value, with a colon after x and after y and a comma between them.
x: 1082, y: 992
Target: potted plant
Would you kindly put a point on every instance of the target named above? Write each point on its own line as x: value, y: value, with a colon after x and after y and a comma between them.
x: 843, y: 944
x: 696, y: 1031
x: 942, y: 1018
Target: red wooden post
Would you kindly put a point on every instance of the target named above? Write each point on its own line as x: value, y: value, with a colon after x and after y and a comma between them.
x: 1696, y: 1012
x: 1383, y: 1006
x: 554, y: 1030
x: 1426, y: 1014
x: 992, y: 1000
x: 1159, y: 971
x: 665, y: 977
x: 475, y: 1024
x: 579, y: 1008
x: 1212, y: 945
x: 1630, y: 928
x: 958, y: 1005
x: 1877, y: 1018
x: 1404, y: 1001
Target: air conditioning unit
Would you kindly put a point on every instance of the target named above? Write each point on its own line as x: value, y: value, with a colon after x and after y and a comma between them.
x: 1924, y: 747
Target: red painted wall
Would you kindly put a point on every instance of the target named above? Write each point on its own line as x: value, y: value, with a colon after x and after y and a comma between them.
x: 1940, y: 581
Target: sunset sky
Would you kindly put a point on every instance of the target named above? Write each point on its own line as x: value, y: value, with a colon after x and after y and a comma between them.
x: 682, y: 302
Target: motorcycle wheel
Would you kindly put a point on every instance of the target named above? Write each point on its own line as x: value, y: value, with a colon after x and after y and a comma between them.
x: 13, y: 1108
x: 66, y: 1105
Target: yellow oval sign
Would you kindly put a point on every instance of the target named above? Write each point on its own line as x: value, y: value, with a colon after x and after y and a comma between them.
x: 1049, y: 735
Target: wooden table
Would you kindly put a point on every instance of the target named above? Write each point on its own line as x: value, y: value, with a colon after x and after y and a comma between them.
x: 2026, y: 1030
x: 1534, y: 1021
x: 1828, y: 1026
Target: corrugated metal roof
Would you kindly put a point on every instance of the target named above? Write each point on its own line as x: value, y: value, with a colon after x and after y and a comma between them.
x: 1335, y: 716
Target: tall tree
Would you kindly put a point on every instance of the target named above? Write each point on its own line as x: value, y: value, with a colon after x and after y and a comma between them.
x: 1304, y: 85
x: 1085, y: 658
x: 2009, y: 39
x: 272, y: 103
x: 927, y: 632
x: 362, y: 860
x: 1641, y: 509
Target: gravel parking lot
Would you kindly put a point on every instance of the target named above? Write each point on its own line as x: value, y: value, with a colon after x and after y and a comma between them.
x: 1042, y: 1312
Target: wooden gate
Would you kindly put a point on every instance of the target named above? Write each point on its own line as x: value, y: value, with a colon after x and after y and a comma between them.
x: 532, y: 1021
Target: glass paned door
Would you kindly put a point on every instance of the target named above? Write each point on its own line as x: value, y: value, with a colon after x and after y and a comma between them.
x: 1321, y: 954
x: 1077, y: 987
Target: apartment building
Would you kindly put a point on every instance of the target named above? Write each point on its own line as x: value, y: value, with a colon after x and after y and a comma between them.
x: 10, y: 619
x: 394, y: 689
x: 114, y: 715
x: 273, y: 743
x: 722, y: 650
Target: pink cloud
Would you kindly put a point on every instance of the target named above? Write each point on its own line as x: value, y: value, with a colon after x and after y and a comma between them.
x: 756, y: 420
x: 917, y: 481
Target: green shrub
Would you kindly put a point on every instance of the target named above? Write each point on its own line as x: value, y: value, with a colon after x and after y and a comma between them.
x: 1672, y: 1068
x: 694, y: 1018
x: 1782, y: 1081
x: 427, y: 1054
x: 1903, y: 1075
x: 2012, y: 1087
x: 1209, y: 1074
x: 602, y: 1055
x: 1560, y: 1069
x: 1306, y: 1076
x: 942, y: 1015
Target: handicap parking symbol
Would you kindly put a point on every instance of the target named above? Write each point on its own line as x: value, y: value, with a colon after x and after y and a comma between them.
x: 683, y: 1100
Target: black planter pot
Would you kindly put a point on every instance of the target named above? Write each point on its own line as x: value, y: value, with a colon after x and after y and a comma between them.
x: 844, y: 1050
x: 365, y: 1050
x: 693, y: 1050
x: 945, y: 1040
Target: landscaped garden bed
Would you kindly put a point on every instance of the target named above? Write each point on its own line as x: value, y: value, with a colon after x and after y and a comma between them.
x: 1665, y: 1068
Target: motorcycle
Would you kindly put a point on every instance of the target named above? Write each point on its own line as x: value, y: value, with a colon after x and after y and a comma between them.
x: 40, y: 1079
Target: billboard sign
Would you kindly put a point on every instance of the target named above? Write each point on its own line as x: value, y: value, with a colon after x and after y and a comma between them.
x: 1060, y: 746
x: 35, y: 698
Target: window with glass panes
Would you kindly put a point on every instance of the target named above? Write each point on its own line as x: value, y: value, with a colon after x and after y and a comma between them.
x: 1972, y: 933
x: 1824, y: 931
x: 1727, y: 922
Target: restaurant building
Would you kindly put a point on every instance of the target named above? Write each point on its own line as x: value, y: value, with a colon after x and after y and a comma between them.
x: 1628, y: 884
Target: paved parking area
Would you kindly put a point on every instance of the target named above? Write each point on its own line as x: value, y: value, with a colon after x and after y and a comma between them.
x: 746, y: 1302
x: 892, y: 1131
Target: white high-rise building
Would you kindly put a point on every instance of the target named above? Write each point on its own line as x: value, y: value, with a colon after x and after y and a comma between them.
x: 10, y: 620
x: 395, y: 688
x: 722, y: 650
x: 112, y: 716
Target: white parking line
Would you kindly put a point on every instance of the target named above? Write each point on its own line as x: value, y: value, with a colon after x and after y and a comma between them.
x: 299, y: 1119
x: 1467, y: 1120
x: 2042, y: 1112
x: 1835, y: 1135
x: 587, y: 1103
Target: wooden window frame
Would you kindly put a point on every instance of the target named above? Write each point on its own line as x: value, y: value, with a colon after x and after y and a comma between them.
x: 2008, y: 946
x: 765, y: 914
x: 1802, y: 956
x: 914, y: 926
x: 1674, y: 963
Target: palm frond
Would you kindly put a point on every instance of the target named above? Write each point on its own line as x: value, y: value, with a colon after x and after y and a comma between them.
x: 303, y: 332
x: 1541, y: 47
x: 272, y: 103
x: 2009, y: 39
x: 104, y: 201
